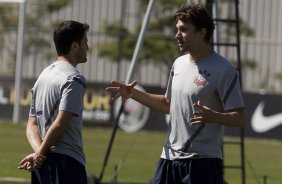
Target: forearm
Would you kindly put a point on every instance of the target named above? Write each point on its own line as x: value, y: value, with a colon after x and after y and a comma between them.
x: 55, y: 131
x: 32, y: 134
x: 153, y: 101
x: 231, y: 118
x: 52, y: 136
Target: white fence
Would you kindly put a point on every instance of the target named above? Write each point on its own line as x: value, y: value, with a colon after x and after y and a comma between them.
x: 260, y: 52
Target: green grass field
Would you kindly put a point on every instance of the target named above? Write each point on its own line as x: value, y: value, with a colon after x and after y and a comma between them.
x: 135, y: 155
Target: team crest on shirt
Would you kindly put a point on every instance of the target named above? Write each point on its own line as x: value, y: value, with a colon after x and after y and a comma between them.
x: 39, y: 114
x: 202, y: 78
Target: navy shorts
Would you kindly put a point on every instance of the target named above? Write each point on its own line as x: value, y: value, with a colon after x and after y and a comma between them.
x: 61, y: 169
x: 189, y: 171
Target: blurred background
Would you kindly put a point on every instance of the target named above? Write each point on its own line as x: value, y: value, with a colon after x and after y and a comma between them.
x: 250, y: 40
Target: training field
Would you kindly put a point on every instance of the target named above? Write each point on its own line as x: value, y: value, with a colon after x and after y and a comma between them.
x: 135, y: 155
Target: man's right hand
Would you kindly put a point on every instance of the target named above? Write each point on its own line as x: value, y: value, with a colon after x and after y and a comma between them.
x: 32, y: 161
x: 121, y: 90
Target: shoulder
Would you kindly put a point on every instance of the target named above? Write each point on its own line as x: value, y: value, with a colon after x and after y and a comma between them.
x: 180, y: 60
x: 71, y: 73
x: 68, y: 73
x: 225, y: 69
x: 220, y: 60
x: 221, y: 64
x: 78, y: 78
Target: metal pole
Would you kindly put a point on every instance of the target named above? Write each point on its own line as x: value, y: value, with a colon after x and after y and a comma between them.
x: 128, y: 79
x: 19, y: 61
x: 264, y: 179
x: 215, y: 16
x: 139, y: 42
x: 242, y: 133
x: 110, y: 144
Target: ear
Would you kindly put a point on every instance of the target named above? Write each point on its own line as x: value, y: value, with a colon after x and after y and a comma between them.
x: 74, y: 45
x: 203, y: 32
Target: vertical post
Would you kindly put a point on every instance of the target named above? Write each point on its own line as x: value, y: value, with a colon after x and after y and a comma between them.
x: 139, y: 41
x: 19, y: 61
x: 128, y: 79
x: 215, y: 16
x: 264, y: 179
x: 121, y: 36
x: 242, y: 133
x: 115, y: 177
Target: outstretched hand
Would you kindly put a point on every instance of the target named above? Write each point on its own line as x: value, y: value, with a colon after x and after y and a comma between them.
x: 121, y: 90
x: 202, y: 115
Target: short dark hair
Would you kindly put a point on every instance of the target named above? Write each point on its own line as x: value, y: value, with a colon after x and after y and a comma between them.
x: 66, y: 33
x: 198, y: 16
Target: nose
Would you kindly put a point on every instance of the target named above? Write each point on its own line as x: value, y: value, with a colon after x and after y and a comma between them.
x: 177, y: 35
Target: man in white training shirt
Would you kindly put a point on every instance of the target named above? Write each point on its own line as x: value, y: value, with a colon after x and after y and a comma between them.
x: 203, y: 95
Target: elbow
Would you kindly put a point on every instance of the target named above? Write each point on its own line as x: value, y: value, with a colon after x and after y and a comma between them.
x: 166, y: 106
x: 240, y: 118
x: 166, y: 109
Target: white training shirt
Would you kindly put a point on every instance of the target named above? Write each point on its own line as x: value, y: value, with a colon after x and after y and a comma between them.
x: 212, y: 81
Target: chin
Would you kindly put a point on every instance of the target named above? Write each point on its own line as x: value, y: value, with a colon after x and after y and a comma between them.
x: 182, y: 50
x: 84, y: 60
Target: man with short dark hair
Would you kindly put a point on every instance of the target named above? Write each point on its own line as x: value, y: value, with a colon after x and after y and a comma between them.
x: 54, y: 128
x: 203, y: 95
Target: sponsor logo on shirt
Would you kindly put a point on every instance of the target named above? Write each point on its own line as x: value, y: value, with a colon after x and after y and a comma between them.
x: 202, y: 78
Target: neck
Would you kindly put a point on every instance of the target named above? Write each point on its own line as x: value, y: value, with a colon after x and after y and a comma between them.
x: 201, y: 53
x: 66, y: 59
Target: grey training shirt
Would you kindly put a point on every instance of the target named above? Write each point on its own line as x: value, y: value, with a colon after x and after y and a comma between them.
x: 60, y: 87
